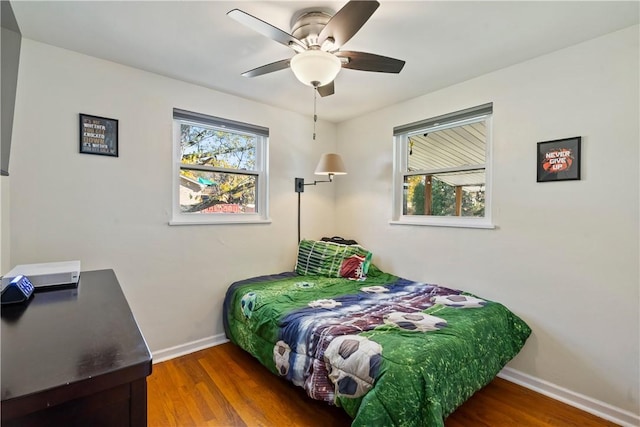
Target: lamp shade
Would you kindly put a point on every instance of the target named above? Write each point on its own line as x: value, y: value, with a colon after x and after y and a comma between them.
x: 330, y: 164
x: 315, y: 67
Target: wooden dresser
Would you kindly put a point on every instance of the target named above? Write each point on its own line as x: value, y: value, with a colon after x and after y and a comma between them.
x: 74, y: 357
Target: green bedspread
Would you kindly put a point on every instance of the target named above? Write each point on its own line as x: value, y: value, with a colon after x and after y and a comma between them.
x: 390, y: 351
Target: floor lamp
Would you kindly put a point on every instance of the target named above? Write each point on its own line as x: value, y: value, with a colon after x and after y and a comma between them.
x: 330, y: 164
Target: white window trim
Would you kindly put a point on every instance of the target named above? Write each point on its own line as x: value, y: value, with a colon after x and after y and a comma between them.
x: 261, y: 217
x: 400, y: 165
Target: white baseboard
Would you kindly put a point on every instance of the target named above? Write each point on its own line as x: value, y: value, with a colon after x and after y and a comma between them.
x: 190, y: 347
x: 585, y: 403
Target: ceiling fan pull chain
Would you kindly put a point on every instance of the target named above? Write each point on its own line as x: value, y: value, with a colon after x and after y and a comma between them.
x: 315, y: 116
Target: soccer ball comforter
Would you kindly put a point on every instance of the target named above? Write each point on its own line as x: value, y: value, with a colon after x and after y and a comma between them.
x: 388, y: 350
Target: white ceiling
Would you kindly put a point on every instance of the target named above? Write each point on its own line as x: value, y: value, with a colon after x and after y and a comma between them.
x: 442, y: 42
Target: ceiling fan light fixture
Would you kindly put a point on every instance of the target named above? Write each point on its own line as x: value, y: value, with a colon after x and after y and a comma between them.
x: 315, y: 67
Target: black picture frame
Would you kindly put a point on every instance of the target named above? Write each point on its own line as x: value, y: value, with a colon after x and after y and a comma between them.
x: 559, y: 160
x: 98, y: 135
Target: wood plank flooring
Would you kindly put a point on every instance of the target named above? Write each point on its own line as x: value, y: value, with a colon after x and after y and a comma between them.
x: 225, y: 386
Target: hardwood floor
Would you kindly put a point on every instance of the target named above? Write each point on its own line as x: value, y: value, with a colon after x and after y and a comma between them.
x: 225, y: 386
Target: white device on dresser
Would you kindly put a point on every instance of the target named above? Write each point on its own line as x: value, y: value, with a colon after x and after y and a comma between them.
x: 48, y: 274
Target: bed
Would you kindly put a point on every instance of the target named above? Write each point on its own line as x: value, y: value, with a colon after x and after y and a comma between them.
x: 388, y: 350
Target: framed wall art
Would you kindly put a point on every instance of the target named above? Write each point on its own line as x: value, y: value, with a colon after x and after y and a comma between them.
x: 98, y: 135
x: 559, y: 160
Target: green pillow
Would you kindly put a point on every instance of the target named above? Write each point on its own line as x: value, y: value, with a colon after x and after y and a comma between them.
x: 326, y: 258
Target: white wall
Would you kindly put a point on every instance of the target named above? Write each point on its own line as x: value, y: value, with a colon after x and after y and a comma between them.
x: 565, y: 255
x: 4, y: 225
x: 114, y: 212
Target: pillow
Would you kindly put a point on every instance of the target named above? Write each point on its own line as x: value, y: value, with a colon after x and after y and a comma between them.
x: 326, y: 259
x: 354, y: 267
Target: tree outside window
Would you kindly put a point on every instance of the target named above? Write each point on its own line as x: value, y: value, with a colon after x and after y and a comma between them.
x: 222, y: 182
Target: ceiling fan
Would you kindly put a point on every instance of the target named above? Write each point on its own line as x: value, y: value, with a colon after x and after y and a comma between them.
x: 317, y: 37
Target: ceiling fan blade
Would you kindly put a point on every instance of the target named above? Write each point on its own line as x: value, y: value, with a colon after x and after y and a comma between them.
x: 266, y: 29
x: 326, y: 90
x: 269, y: 68
x: 347, y: 21
x: 370, y: 62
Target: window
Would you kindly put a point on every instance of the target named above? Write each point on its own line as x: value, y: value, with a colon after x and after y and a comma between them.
x: 220, y: 170
x: 442, y: 170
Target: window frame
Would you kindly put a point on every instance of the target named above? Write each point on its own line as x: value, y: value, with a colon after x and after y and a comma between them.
x: 261, y: 171
x: 483, y: 113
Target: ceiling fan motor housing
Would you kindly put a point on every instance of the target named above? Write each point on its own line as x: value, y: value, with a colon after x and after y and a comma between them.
x: 308, y: 26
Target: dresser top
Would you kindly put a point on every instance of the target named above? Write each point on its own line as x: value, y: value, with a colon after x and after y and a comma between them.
x: 66, y: 336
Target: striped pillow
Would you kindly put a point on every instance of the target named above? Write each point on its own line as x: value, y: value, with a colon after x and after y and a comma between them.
x: 325, y: 258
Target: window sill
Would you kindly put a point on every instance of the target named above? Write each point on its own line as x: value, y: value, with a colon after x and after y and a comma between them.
x: 445, y: 222
x: 219, y: 221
